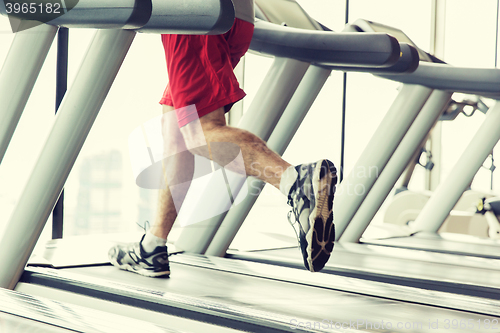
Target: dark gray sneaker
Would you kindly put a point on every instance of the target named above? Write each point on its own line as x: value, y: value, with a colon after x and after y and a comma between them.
x: 132, y: 257
x: 311, y: 198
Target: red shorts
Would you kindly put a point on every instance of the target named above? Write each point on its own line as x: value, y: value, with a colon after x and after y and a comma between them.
x: 200, y: 71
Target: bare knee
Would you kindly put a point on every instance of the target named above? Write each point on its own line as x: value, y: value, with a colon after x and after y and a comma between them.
x: 218, y: 144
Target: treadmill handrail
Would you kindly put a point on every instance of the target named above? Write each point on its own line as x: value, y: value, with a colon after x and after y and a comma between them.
x: 480, y: 81
x: 326, y: 47
x: 407, y: 63
x: 156, y: 16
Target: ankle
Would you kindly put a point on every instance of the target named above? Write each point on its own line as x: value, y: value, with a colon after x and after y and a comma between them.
x: 150, y: 242
x: 288, y: 178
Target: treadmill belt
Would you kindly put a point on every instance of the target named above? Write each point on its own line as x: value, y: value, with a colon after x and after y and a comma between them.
x: 397, y: 266
x: 435, y: 243
x: 308, y: 300
x: 22, y: 313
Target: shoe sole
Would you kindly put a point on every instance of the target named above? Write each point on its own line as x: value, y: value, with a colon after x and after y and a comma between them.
x: 320, y: 238
x: 143, y: 272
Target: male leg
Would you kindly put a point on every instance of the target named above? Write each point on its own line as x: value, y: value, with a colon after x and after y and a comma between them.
x: 178, y: 170
x: 310, y: 187
x: 206, y: 80
x: 149, y: 256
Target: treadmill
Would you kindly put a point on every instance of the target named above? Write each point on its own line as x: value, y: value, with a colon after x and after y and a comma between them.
x: 367, y: 259
x: 423, y: 231
x: 233, y: 294
x: 403, y: 259
x: 256, y: 297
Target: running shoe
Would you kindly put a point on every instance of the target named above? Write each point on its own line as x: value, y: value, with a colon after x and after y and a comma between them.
x: 311, y: 198
x: 132, y: 257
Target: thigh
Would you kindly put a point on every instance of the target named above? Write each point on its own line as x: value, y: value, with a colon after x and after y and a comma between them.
x: 173, y: 141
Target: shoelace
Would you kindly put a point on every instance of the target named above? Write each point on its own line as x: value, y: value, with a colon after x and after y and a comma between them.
x: 293, y: 223
x: 145, y: 226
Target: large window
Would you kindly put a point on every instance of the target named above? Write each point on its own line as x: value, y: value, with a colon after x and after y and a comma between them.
x: 470, y: 41
x: 101, y: 193
x: 368, y: 99
x: 318, y: 137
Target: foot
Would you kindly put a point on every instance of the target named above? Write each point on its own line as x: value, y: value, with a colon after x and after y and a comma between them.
x: 132, y: 257
x: 311, y: 198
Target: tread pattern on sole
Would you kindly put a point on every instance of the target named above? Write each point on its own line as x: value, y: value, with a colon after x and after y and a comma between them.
x: 323, y: 236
